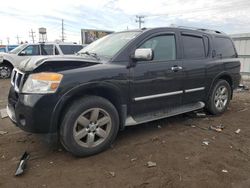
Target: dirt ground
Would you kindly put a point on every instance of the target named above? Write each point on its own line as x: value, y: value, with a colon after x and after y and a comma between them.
x: 174, y: 144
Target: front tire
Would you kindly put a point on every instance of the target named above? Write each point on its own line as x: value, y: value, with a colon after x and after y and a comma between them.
x: 219, y: 97
x: 90, y: 126
x: 5, y: 71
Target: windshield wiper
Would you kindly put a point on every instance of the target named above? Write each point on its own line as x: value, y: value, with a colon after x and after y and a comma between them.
x: 91, y: 54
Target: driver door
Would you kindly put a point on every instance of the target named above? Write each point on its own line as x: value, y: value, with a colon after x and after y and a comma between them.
x: 157, y: 84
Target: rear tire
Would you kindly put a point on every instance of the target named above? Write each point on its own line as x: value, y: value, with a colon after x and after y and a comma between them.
x: 5, y: 71
x: 89, y: 126
x: 219, y: 97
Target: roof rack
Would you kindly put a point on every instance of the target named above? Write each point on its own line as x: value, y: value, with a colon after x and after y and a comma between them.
x: 201, y: 29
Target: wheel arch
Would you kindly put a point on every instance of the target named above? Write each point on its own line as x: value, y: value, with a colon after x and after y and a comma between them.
x: 222, y: 76
x: 105, y: 90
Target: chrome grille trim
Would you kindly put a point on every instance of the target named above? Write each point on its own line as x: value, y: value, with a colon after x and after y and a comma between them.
x: 16, y: 79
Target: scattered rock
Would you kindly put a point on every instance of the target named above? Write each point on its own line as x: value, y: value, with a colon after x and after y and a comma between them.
x: 3, y: 113
x: 237, y: 131
x: 159, y: 127
x: 243, y: 110
x: 3, y: 132
x: 224, y: 171
x: 112, y: 173
x: 205, y: 142
x: 193, y: 126
x: 186, y: 158
x: 163, y: 141
x: 151, y: 164
x: 51, y: 162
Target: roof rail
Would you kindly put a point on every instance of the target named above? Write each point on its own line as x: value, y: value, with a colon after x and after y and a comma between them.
x: 202, y: 29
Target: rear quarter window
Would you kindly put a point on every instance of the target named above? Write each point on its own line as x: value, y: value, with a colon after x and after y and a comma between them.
x: 70, y: 49
x: 224, y: 47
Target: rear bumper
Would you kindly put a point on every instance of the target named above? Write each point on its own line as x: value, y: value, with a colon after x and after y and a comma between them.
x: 32, y: 112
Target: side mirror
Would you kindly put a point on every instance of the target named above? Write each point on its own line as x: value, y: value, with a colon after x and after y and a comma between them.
x: 145, y: 54
x: 22, y: 53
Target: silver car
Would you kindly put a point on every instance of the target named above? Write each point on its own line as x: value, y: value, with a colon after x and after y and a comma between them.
x: 10, y: 60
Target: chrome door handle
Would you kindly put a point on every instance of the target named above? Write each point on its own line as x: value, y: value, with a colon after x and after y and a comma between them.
x: 176, y: 68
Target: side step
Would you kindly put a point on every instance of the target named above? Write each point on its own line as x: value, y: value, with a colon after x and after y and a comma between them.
x: 163, y: 114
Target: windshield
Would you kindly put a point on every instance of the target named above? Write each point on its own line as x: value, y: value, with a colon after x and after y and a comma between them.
x: 18, y: 49
x: 109, y: 45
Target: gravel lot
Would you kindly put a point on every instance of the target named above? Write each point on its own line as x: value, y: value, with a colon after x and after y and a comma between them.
x: 174, y: 144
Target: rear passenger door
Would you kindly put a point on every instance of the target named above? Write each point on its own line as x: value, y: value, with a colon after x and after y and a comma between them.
x: 195, y: 50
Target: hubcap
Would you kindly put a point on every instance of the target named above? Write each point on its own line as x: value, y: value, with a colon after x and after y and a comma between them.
x: 221, y: 98
x: 4, y: 72
x: 92, y: 127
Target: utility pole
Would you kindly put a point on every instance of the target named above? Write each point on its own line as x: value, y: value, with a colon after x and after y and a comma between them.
x: 8, y: 40
x: 139, y: 19
x: 63, y: 37
x: 17, y: 38
x: 32, y: 35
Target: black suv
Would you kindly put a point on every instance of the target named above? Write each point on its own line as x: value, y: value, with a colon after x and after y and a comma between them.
x: 123, y: 79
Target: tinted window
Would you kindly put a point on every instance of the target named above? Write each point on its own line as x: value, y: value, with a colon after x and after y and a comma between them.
x: 224, y: 47
x: 193, y: 47
x: 32, y: 50
x: 70, y: 49
x: 47, y: 49
x: 164, y: 47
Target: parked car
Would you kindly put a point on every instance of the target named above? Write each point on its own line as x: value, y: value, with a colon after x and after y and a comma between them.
x: 7, y: 48
x: 9, y: 60
x: 123, y: 79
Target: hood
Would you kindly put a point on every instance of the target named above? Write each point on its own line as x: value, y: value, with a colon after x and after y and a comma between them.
x: 55, y: 63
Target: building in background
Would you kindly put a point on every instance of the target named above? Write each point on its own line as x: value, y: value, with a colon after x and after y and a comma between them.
x: 90, y: 35
x: 242, y: 44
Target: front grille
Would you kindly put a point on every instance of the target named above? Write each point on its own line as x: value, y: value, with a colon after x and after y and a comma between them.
x: 17, y: 79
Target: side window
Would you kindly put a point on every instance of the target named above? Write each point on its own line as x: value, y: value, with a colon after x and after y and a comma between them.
x: 70, y: 49
x: 224, y: 47
x: 47, y: 49
x: 164, y: 47
x: 193, y: 47
x: 32, y: 50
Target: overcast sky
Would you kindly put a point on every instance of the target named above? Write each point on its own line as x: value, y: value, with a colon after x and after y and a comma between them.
x: 18, y: 17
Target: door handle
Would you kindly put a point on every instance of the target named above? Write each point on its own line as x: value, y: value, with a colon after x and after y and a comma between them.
x: 176, y: 68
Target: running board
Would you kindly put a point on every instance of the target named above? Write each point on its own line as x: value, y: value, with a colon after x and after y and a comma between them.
x: 163, y: 114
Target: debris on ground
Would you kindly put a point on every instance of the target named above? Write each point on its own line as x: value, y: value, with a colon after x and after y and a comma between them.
x: 22, y: 164
x: 133, y: 159
x: 3, y: 113
x: 159, y: 127
x: 242, y: 87
x: 205, y: 142
x: 155, y: 138
x: 151, y: 164
x: 3, y: 132
x: 237, y: 131
x: 200, y: 114
x: 243, y: 110
x: 217, y: 128
x: 112, y: 173
x: 224, y: 171
x: 193, y: 126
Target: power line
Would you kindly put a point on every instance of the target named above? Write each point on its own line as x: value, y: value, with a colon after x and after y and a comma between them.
x: 139, y: 19
x: 32, y: 35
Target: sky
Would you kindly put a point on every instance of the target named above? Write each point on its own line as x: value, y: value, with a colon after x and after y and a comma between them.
x: 19, y: 17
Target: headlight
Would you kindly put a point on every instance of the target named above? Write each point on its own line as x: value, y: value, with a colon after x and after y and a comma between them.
x: 42, y: 83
